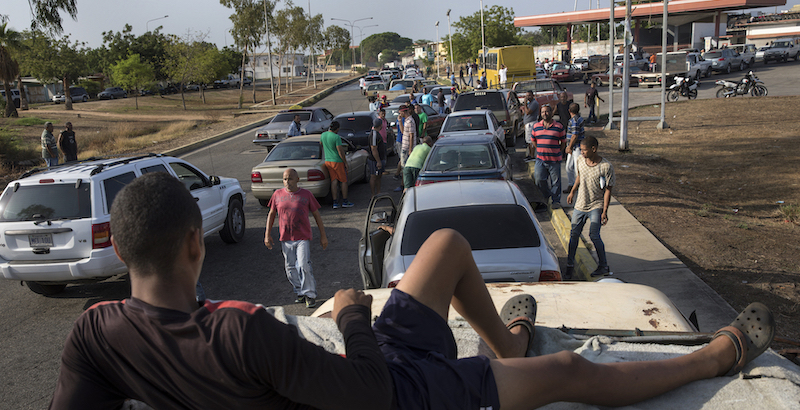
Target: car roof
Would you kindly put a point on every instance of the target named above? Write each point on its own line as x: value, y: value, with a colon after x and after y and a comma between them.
x: 356, y: 114
x: 467, y: 138
x: 468, y: 112
x: 87, y: 168
x: 463, y: 193
x: 300, y: 109
x: 302, y: 138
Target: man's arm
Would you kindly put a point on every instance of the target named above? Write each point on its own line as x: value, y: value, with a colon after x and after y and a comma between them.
x: 323, y: 239
x: 606, y: 202
x: 268, y: 234
x: 340, y: 150
x: 60, y: 142
x: 574, y: 190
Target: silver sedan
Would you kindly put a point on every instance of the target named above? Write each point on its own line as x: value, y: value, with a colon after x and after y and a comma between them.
x: 494, y: 216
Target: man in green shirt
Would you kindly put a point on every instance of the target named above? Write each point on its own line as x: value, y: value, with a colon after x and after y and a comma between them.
x: 423, y: 121
x: 336, y: 162
x: 415, y: 161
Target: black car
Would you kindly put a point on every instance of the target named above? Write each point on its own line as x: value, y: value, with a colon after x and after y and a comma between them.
x: 507, y: 113
x: 356, y: 127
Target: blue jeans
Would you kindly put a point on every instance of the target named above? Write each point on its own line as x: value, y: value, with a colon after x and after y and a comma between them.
x: 578, y: 221
x: 591, y: 114
x: 548, y: 179
x: 572, y: 165
x: 51, y: 162
x: 297, y: 255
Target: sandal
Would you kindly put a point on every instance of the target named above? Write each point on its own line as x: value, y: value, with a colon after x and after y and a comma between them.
x: 751, y: 334
x: 520, y: 310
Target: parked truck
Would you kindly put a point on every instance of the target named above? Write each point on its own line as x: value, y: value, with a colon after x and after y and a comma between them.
x: 676, y: 64
x: 597, y: 64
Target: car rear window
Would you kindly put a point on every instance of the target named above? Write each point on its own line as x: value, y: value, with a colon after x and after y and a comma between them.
x: 484, y: 226
x: 535, y: 86
x: 480, y: 101
x: 466, y: 123
x: 289, y: 116
x: 467, y: 157
x: 46, y: 201
x: 713, y: 54
x: 304, y: 150
x: 355, y: 122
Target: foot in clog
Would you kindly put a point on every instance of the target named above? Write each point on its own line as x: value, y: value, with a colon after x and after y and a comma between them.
x: 751, y: 334
x: 520, y: 310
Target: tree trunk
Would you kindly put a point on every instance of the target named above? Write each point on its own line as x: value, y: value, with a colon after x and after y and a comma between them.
x: 203, y: 93
x: 183, y: 97
x: 67, y: 96
x: 253, y: 84
x: 241, y: 79
x: 290, y: 77
x: 11, y: 110
x: 23, y: 96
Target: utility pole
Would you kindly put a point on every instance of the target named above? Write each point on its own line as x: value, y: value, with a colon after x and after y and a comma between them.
x: 437, y: 49
x: 663, y: 124
x: 450, y: 36
x: 626, y: 71
x: 269, y: 56
x: 483, y: 41
x: 610, y: 125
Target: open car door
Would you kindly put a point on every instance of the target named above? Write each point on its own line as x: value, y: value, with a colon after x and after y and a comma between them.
x: 382, y: 211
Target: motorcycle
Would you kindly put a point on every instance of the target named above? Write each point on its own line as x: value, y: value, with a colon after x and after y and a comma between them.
x: 750, y: 84
x: 683, y: 87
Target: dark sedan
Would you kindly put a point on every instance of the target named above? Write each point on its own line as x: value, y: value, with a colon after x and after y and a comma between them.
x: 111, y: 93
x: 466, y: 157
x: 356, y: 127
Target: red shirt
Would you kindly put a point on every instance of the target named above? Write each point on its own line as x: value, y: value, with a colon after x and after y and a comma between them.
x: 293, y: 209
x: 548, y: 140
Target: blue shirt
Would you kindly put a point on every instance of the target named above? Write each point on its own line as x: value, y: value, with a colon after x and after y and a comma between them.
x: 294, y: 130
x: 400, y: 125
x: 575, y: 129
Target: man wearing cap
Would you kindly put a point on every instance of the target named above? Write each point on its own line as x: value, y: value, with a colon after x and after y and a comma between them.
x: 67, y: 143
x: 49, y: 147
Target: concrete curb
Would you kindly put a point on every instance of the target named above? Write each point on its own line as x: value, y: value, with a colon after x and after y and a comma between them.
x: 227, y: 134
x: 584, y: 262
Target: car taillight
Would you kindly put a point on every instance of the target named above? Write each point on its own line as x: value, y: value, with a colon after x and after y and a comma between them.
x: 721, y: 59
x: 101, y: 235
x: 262, y: 135
x: 549, y: 276
x: 315, y: 175
x: 393, y: 283
x: 255, y: 176
x: 46, y: 181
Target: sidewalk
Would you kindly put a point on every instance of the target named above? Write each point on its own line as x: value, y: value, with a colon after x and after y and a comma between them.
x: 636, y: 256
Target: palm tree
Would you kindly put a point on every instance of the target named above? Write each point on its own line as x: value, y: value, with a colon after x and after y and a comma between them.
x: 12, y: 41
x: 9, y: 70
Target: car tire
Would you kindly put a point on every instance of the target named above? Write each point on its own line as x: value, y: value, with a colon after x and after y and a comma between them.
x: 618, y: 83
x: 263, y: 202
x: 598, y: 82
x: 44, y: 289
x: 85, y: 98
x: 728, y: 69
x: 741, y: 66
x: 233, y: 231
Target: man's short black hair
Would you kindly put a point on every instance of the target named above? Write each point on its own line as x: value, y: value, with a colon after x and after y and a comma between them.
x: 334, y: 126
x: 590, y: 141
x: 150, y: 219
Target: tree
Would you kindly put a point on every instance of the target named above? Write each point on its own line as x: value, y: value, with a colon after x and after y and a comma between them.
x: 47, y: 14
x: 132, y: 74
x: 9, y: 67
x: 188, y: 60
x: 248, y: 30
x: 290, y: 29
x: 499, y: 31
x: 388, y: 56
x: 376, y: 43
x: 337, y: 39
x: 52, y: 60
x: 119, y: 45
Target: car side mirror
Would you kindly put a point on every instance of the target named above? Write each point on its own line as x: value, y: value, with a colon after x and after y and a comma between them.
x: 215, y: 180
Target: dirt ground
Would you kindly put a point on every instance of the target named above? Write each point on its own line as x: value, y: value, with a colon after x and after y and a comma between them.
x: 721, y: 189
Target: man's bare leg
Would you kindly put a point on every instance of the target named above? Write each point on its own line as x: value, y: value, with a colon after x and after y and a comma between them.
x: 566, y: 376
x: 443, y: 272
x: 335, y: 189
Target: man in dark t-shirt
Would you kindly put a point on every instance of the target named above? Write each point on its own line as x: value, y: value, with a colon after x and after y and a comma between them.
x: 589, y: 101
x: 163, y: 348
x: 67, y: 143
x: 376, y: 161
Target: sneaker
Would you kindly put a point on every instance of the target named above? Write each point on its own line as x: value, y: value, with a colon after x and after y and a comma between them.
x: 311, y: 302
x: 600, y: 271
x: 300, y: 299
x: 396, y: 177
x: 555, y: 205
x: 568, y: 190
x: 335, y: 205
x: 528, y: 158
x: 398, y: 189
x: 568, y: 272
x: 347, y: 204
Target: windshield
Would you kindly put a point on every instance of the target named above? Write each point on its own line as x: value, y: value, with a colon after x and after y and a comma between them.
x: 480, y: 101
x: 469, y: 157
x: 491, y: 233
x: 466, y: 123
x: 535, y: 86
x: 46, y: 201
x: 289, y: 116
x: 560, y: 67
x: 297, y: 151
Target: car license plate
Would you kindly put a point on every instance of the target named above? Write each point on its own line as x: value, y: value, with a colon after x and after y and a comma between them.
x: 41, y: 240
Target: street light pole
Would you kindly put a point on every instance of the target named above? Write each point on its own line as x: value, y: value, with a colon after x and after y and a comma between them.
x: 450, y: 36
x: 352, y: 24
x: 147, y: 25
x: 483, y: 41
x: 361, y: 38
x: 437, y: 49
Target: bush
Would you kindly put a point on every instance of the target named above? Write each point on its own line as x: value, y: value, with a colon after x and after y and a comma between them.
x: 92, y: 87
x: 30, y: 121
x: 12, y: 150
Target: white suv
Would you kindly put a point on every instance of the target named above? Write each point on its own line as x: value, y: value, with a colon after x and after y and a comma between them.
x: 54, y: 222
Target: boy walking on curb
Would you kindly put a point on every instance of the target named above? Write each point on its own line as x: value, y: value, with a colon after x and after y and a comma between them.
x: 593, y: 184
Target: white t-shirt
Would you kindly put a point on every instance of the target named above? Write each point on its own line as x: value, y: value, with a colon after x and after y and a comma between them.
x: 503, y: 75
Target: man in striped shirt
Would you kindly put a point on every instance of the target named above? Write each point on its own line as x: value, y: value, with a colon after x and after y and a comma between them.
x: 548, y: 141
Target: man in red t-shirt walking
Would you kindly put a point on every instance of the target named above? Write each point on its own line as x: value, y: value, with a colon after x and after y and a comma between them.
x: 548, y: 141
x: 293, y: 204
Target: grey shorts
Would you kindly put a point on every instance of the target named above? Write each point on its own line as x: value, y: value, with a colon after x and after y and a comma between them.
x: 421, y: 354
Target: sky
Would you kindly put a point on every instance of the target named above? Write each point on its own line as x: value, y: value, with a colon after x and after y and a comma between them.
x: 415, y: 20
